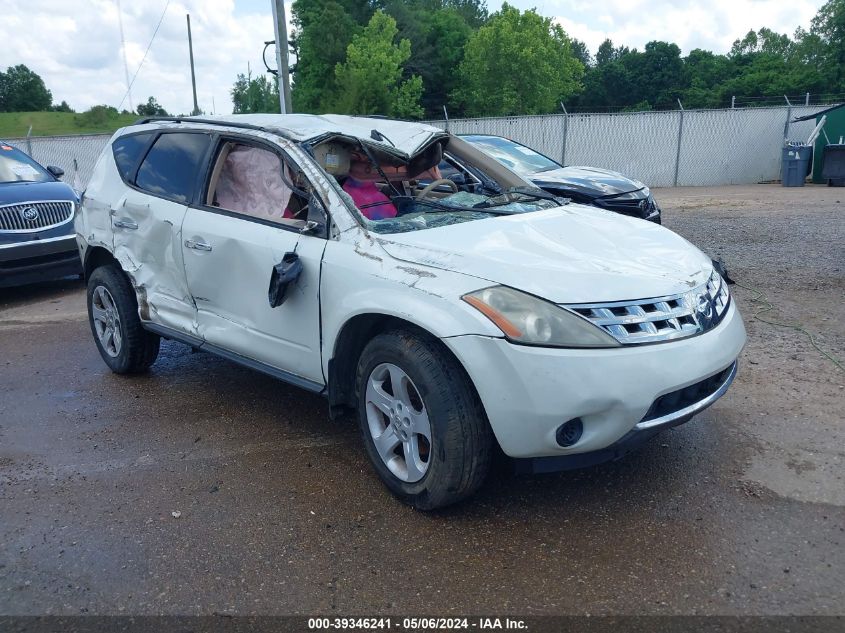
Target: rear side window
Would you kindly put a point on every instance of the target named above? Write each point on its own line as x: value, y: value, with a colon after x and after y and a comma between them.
x: 170, y: 168
x: 127, y: 150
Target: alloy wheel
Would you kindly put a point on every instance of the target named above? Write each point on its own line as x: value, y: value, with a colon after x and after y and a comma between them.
x: 398, y: 422
x: 106, y: 321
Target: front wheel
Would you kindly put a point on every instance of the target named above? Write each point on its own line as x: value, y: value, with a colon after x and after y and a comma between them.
x: 423, y: 425
x: 126, y: 347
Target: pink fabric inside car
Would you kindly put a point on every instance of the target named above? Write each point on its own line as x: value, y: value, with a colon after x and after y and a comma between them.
x: 372, y: 202
x: 251, y: 182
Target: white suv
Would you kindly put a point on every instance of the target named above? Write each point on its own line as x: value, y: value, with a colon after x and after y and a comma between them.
x: 450, y: 314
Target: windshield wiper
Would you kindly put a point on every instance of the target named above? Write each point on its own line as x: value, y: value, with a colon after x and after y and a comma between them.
x: 529, y: 192
x: 476, y: 209
x: 435, y: 207
x: 536, y: 192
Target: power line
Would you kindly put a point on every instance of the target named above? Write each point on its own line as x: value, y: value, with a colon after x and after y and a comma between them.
x: 152, y: 39
x: 123, y: 48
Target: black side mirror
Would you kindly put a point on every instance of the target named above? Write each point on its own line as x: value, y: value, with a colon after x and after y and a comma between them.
x: 58, y: 172
x: 282, y: 277
x: 317, y: 222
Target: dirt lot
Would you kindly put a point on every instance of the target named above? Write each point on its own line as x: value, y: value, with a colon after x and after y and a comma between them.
x: 741, y: 511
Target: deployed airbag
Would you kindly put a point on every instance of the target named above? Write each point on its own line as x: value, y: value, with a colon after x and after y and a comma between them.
x: 251, y: 182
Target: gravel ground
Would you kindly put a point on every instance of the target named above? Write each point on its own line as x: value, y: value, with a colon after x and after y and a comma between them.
x: 741, y: 511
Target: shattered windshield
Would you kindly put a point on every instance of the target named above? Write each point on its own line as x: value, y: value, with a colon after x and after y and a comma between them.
x: 434, y: 188
x: 414, y: 214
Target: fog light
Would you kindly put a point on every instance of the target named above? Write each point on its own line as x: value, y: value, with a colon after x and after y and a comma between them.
x: 570, y: 432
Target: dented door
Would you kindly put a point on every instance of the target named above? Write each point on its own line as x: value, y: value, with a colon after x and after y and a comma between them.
x: 147, y: 243
x: 228, y: 262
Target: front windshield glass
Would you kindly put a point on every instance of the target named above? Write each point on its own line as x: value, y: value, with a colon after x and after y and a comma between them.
x: 15, y: 166
x: 429, y: 189
x: 523, y: 160
x: 414, y: 214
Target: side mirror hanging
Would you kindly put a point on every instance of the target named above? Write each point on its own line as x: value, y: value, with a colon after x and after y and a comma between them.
x: 284, y: 275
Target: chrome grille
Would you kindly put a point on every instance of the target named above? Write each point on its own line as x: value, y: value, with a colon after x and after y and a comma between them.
x: 639, y: 207
x: 664, y: 318
x: 28, y: 217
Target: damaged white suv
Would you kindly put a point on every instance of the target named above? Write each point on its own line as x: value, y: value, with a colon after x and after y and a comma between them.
x: 450, y: 313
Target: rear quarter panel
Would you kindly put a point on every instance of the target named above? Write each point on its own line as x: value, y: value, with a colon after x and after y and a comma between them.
x: 93, y: 222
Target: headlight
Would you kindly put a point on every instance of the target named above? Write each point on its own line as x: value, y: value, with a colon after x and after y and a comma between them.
x: 526, y: 319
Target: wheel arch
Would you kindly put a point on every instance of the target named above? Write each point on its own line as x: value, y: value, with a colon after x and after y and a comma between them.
x: 95, y: 257
x: 350, y: 342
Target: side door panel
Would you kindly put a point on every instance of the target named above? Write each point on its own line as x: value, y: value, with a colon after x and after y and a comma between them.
x: 230, y: 281
x: 230, y: 254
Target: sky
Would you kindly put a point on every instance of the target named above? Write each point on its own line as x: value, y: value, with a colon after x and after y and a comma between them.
x: 75, y: 44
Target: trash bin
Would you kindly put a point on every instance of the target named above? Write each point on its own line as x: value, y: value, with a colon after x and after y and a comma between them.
x: 795, y: 165
x: 833, y: 165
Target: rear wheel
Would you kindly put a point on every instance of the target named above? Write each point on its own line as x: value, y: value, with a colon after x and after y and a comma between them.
x: 126, y: 347
x: 423, y: 425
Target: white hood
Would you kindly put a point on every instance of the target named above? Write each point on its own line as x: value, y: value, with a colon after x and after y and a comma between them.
x: 571, y: 254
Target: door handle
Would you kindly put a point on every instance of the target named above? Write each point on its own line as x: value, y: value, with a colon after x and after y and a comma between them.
x: 126, y: 224
x: 197, y: 246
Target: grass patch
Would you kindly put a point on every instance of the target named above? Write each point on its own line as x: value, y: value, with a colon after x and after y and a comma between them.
x: 15, y: 124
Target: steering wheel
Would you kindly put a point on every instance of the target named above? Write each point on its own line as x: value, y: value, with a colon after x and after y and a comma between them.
x: 436, y: 183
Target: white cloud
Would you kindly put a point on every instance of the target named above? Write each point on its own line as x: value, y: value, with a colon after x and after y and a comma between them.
x: 75, y: 44
x: 75, y: 47
x: 713, y: 25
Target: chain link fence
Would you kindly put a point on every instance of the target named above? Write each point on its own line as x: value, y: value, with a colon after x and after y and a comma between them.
x: 662, y: 149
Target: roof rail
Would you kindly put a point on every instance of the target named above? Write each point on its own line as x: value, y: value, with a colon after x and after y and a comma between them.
x: 179, y: 119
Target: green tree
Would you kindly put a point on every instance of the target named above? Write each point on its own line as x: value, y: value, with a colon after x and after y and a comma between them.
x: 581, y: 52
x: 151, y: 108
x: 607, y: 84
x: 473, y: 12
x: 658, y: 72
x: 517, y: 63
x: 22, y: 90
x: 607, y: 53
x: 324, y: 30
x: 828, y: 26
x: 765, y: 63
x: 706, y: 73
x: 258, y: 94
x: 62, y: 107
x: 96, y: 116
x: 634, y: 80
x: 438, y: 33
x: 370, y: 81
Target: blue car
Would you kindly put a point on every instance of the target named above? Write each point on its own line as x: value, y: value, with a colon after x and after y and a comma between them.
x: 37, y: 240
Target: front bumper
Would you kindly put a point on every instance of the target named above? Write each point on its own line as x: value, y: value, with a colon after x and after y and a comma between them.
x: 38, y: 260
x: 529, y: 392
x: 633, y: 439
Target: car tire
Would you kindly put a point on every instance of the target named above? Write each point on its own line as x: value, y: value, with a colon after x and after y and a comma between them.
x: 436, y: 388
x: 113, y: 307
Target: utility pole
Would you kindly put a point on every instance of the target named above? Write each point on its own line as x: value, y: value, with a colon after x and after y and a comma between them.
x: 283, y: 73
x: 196, y: 109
